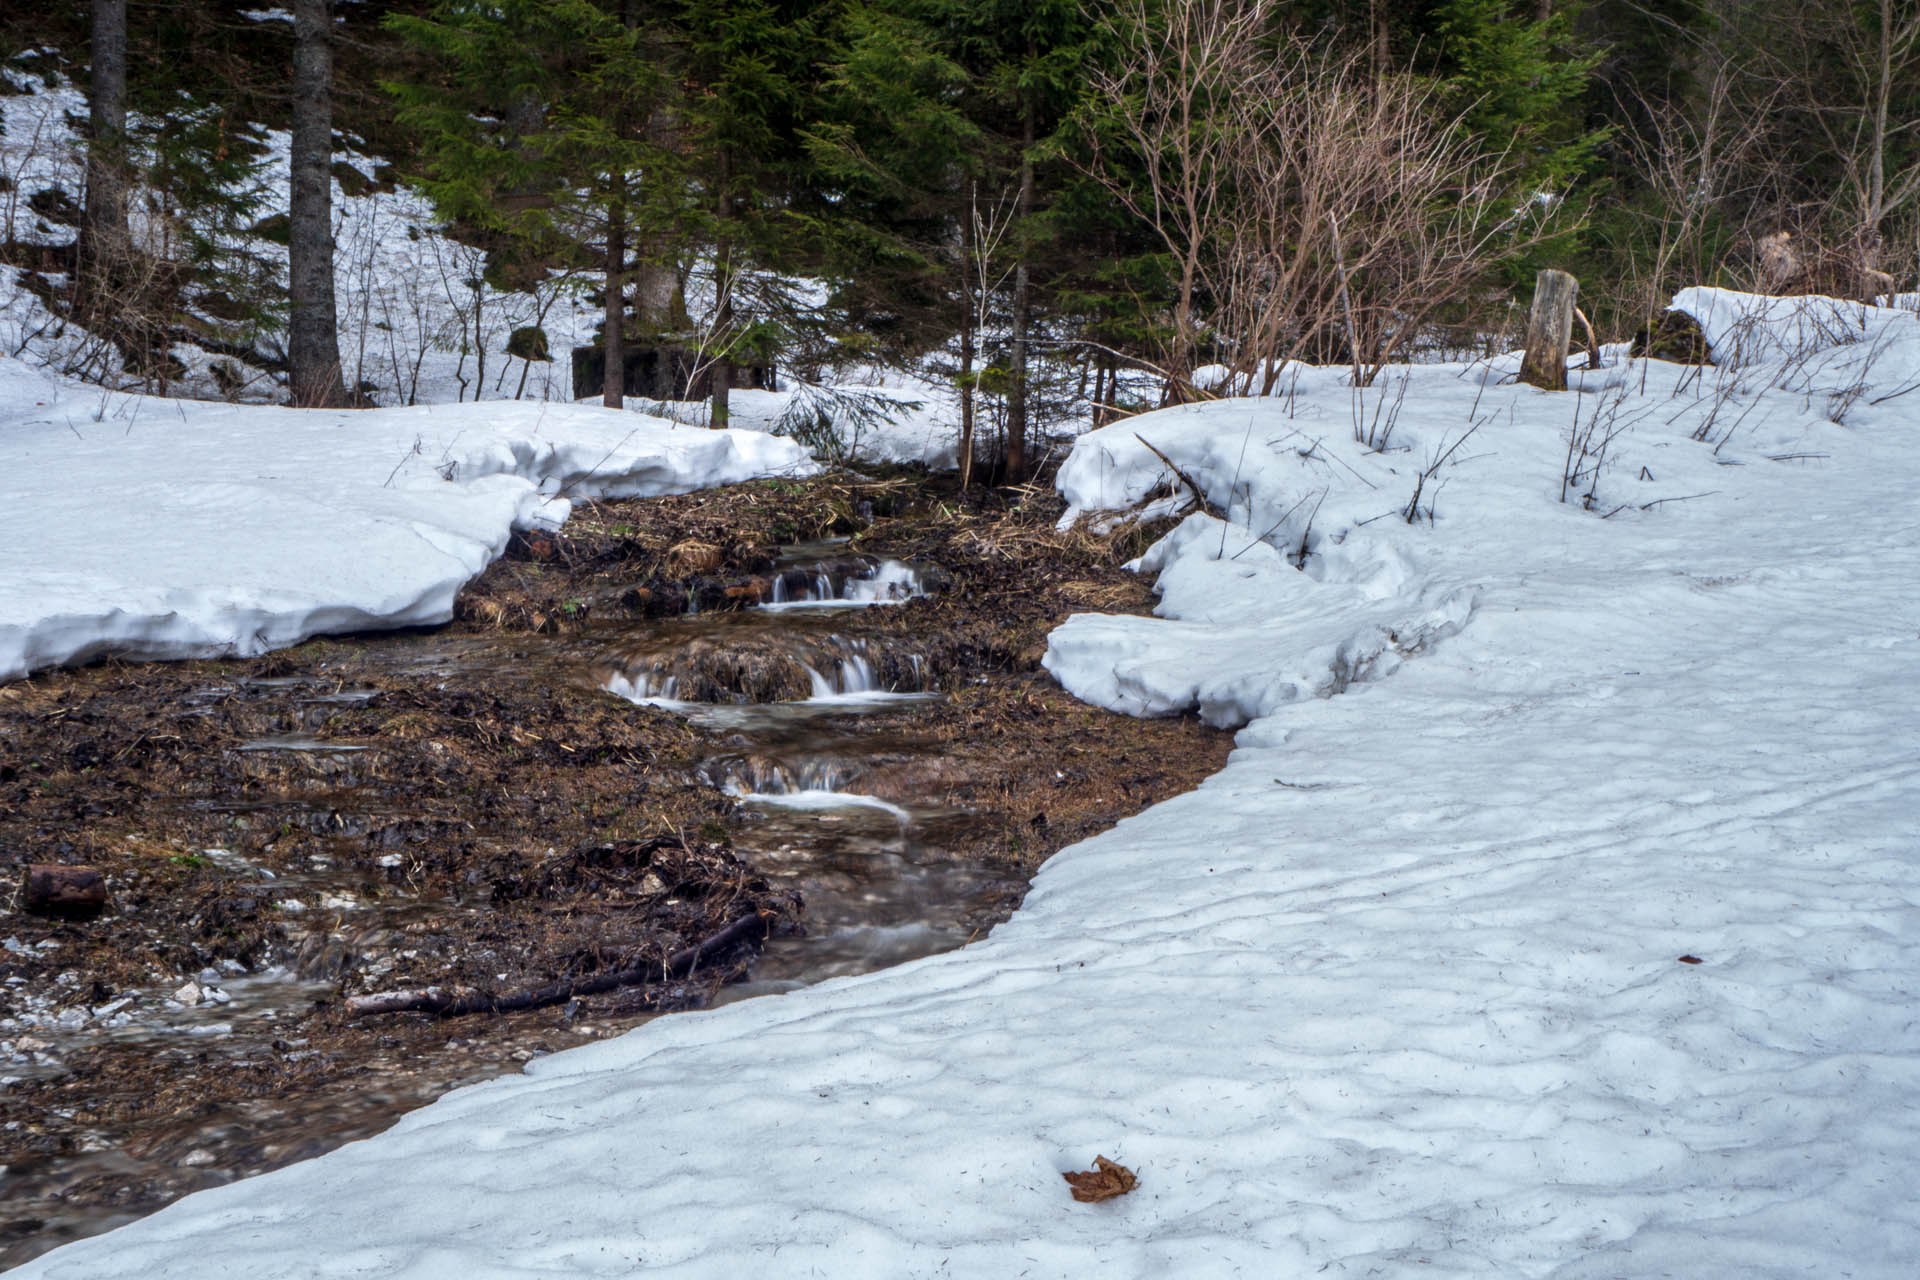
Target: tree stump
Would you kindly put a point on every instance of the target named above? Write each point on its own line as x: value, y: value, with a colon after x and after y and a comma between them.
x: 64, y: 893
x: 1549, y: 330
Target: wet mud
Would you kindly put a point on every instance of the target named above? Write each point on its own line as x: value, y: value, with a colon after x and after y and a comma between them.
x: 478, y: 808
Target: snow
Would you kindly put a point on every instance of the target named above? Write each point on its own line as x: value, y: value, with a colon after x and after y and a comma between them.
x: 1400, y: 991
x: 167, y: 528
x: 862, y: 419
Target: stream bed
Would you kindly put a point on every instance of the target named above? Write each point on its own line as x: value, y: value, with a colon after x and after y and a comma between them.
x: 877, y: 876
x: 628, y: 736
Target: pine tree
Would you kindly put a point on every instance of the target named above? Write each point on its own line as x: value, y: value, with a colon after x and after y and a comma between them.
x: 747, y: 71
x: 542, y: 125
x: 103, y: 243
x: 1519, y: 74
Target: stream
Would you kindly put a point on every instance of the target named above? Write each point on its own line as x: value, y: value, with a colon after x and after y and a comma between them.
x: 811, y: 725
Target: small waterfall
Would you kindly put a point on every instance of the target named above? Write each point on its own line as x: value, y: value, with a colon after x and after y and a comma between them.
x: 851, y: 671
x: 767, y: 775
x: 766, y: 668
x: 857, y: 580
x: 643, y: 685
x: 890, y: 582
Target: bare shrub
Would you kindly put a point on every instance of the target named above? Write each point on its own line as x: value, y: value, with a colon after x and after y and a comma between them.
x: 1311, y: 204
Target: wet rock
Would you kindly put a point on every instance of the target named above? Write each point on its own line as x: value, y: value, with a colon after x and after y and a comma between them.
x: 63, y: 892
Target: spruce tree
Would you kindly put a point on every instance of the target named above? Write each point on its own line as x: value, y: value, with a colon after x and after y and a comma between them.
x: 747, y: 72
x: 540, y: 125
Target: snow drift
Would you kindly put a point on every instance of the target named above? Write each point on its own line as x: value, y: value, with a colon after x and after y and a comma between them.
x: 155, y: 528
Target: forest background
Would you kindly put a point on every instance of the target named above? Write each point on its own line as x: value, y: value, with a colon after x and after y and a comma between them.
x: 1056, y: 211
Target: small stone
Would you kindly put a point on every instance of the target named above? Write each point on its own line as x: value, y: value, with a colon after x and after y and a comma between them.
x: 197, y: 1158
x: 208, y: 976
x: 188, y: 994
x: 217, y: 996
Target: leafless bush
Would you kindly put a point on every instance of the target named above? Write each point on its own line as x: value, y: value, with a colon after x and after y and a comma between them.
x: 1695, y: 166
x: 1311, y: 204
x: 1589, y: 443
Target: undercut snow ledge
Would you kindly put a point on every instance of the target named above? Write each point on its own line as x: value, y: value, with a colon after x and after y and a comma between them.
x: 152, y: 528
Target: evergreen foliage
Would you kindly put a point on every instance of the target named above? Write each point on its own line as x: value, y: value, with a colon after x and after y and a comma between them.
x: 913, y: 180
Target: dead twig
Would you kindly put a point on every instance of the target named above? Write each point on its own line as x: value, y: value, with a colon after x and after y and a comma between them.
x: 1199, y: 494
x: 446, y: 1004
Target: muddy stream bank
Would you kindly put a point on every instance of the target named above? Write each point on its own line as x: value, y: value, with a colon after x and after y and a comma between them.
x: 816, y: 704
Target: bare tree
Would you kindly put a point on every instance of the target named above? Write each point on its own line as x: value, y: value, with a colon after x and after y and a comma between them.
x: 1364, y: 210
x: 1182, y: 65
x: 1313, y: 202
x: 313, y: 335
x: 1836, y: 77
x: 1698, y: 165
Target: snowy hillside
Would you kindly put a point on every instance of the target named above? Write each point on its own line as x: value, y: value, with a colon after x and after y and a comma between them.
x: 419, y: 324
x: 1559, y: 913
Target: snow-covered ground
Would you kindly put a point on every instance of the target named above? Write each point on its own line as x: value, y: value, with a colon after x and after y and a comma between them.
x: 157, y: 528
x: 1579, y: 935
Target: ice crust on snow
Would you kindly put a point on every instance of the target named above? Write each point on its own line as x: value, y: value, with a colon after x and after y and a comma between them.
x: 1396, y: 993
x: 171, y: 529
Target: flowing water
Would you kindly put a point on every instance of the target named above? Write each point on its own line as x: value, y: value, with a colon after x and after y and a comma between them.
x: 813, y: 731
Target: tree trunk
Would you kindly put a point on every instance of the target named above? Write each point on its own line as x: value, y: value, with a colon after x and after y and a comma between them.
x: 966, y: 338
x: 1017, y: 398
x: 103, y: 230
x: 658, y: 306
x: 613, y: 386
x: 1549, y: 330
x: 722, y: 373
x: 313, y: 332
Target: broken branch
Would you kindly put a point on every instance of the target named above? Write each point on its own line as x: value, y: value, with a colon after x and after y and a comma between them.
x: 1199, y: 494
x: 447, y: 1004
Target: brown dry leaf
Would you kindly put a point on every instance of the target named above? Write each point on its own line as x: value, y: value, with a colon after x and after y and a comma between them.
x: 1103, y: 1182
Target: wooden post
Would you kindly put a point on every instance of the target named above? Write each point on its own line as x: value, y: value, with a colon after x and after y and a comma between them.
x: 1549, y: 330
x: 65, y: 893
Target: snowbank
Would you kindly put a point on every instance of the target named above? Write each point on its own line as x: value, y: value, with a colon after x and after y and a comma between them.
x: 167, y: 529
x: 1584, y: 945
x: 861, y: 422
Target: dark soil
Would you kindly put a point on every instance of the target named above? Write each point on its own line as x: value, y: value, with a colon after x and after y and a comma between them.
x: 513, y: 824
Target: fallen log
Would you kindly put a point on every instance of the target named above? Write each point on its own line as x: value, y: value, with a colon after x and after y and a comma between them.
x: 62, y: 892
x: 450, y: 1004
